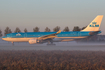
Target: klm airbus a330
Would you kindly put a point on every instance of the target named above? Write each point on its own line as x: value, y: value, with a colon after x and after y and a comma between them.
x: 50, y: 37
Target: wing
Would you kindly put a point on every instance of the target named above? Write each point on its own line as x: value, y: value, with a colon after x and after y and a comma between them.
x: 51, y: 36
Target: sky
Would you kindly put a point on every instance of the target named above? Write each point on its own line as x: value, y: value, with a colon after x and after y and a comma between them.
x: 49, y: 13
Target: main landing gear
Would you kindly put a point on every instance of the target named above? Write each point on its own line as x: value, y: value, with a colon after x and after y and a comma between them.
x: 50, y: 43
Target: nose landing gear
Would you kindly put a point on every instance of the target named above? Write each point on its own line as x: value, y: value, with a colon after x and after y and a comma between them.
x: 12, y: 43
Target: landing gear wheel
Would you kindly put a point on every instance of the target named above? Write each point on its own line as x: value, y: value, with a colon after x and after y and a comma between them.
x: 50, y: 43
x: 13, y: 43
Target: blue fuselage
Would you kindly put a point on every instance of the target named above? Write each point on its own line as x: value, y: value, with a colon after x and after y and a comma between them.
x: 39, y: 34
x: 62, y: 35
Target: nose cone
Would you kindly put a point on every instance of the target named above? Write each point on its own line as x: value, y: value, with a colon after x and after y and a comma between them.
x: 3, y: 37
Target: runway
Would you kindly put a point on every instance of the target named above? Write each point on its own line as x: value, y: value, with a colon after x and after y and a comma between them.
x: 65, y: 46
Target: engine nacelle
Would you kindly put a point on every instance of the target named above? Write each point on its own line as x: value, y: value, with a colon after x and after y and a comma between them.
x: 33, y: 41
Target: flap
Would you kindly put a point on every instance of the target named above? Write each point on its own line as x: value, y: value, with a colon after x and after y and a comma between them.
x: 49, y: 36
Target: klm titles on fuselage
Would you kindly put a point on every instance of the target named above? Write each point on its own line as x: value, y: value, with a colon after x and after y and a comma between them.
x: 93, y: 25
x: 18, y: 34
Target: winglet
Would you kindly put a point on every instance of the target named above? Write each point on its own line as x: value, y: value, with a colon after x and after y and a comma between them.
x: 58, y: 32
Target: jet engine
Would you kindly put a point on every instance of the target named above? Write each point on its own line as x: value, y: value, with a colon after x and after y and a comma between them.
x: 33, y: 41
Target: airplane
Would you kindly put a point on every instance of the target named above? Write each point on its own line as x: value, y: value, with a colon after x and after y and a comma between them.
x: 50, y: 37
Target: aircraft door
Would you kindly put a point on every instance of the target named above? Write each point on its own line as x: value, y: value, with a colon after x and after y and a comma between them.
x: 10, y: 36
x: 25, y: 35
x: 79, y: 33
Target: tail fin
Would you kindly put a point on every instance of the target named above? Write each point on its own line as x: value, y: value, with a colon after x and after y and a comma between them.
x: 95, y: 24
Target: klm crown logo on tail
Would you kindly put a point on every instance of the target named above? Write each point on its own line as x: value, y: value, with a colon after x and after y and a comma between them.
x: 93, y: 24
